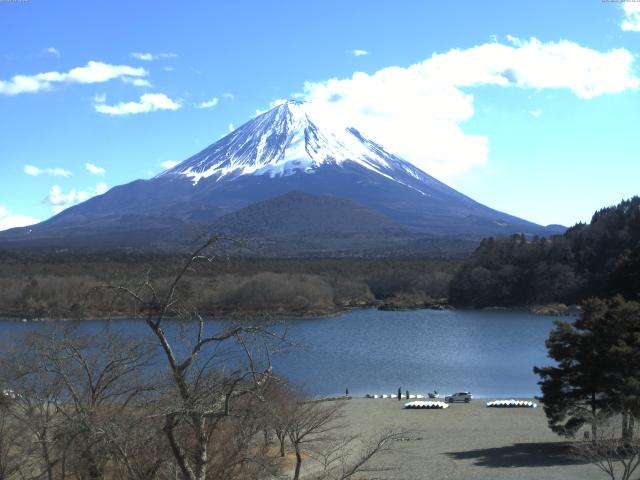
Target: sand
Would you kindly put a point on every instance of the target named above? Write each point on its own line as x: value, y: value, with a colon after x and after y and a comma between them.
x: 468, y: 441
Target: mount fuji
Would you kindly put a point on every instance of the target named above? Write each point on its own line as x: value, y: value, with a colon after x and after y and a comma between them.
x: 291, y: 178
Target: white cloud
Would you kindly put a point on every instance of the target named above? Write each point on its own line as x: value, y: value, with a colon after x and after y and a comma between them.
x: 229, y: 96
x: 138, y: 82
x: 536, y: 113
x: 94, y: 169
x: 631, y: 22
x: 358, y: 53
x: 418, y: 111
x: 10, y: 220
x: 168, y: 69
x: 54, y: 172
x: 209, y: 103
x: 52, y: 51
x: 169, y: 164
x: 92, y: 72
x: 148, y: 57
x: 60, y: 200
x: 534, y: 64
x: 231, y: 127
x: 149, y: 102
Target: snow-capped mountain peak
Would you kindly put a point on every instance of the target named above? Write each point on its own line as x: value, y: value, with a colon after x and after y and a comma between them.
x: 295, y: 178
x: 290, y: 138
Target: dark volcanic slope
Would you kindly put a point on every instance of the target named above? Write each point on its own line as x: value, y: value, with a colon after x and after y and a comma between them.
x: 290, y: 148
x: 299, y: 213
x: 299, y: 223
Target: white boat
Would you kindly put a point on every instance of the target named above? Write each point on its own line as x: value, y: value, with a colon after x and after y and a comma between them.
x: 426, y: 405
x: 511, y: 403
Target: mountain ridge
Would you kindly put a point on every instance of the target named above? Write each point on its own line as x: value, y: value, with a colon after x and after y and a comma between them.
x: 291, y: 148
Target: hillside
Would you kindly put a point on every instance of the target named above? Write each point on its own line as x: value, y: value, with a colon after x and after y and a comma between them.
x: 601, y: 258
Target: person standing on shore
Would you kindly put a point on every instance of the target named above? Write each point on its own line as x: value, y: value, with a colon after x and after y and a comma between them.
x: 399, y: 393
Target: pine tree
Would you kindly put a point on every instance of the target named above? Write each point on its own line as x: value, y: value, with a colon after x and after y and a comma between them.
x: 598, y: 368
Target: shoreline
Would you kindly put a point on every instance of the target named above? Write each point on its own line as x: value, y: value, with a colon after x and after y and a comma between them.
x: 207, y: 317
x: 540, y: 310
x: 481, y: 398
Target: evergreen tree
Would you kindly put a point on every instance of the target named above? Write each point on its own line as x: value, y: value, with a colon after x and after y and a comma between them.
x: 597, y: 370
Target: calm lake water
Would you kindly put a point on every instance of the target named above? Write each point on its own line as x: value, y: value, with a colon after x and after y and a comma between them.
x: 490, y: 353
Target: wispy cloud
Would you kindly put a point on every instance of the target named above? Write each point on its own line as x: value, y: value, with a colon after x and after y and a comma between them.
x: 149, y: 102
x: 8, y: 219
x: 94, y: 169
x: 60, y: 200
x: 138, y: 82
x: 52, y: 51
x: 169, y: 164
x: 209, y: 103
x: 92, y: 72
x: 54, y: 172
x: 229, y: 96
x: 631, y: 22
x: 536, y: 113
x: 358, y: 53
x: 149, y: 57
x: 419, y: 111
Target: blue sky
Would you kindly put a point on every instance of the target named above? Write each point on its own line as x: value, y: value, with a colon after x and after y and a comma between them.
x: 529, y: 107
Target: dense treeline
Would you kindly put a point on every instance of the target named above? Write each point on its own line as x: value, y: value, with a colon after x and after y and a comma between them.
x: 597, y: 259
x: 57, y: 285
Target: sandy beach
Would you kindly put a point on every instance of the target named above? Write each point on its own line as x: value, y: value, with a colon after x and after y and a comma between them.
x: 468, y: 441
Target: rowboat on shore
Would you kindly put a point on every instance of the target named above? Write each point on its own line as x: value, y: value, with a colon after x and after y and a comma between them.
x: 511, y: 404
x: 426, y: 404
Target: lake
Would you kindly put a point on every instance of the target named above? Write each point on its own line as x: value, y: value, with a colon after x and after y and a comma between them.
x: 490, y: 353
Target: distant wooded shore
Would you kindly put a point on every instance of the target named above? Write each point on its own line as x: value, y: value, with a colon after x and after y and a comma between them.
x: 63, y: 285
x: 542, y: 274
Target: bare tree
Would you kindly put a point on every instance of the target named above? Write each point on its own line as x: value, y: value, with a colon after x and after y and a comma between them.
x: 31, y: 408
x: 614, y: 451
x: 138, y: 448
x: 343, y: 459
x: 198, y: 393
x: 311, y: 422
x: 33, y: 412
x: 10, y: 436
x: 100, y: 378
x: 73, y: 393
x: 279, y: 409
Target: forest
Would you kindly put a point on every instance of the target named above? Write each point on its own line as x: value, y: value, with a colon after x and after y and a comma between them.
x: 62, y: 285
x: 600, y: 259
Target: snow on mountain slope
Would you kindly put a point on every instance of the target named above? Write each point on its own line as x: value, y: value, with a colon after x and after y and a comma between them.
x: 293, y: 147
x: 293, y: 137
